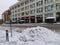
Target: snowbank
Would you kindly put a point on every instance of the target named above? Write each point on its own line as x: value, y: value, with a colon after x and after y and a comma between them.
x: 40, y: 35
x: 31, y: 36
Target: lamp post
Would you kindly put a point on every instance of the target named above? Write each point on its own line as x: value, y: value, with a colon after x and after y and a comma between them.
x: 9, y: 13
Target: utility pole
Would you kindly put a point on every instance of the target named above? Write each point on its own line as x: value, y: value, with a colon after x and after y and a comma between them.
x: 9, y: 13
x: 10, y: 28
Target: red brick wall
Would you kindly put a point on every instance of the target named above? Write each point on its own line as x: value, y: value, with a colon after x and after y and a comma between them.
x: 1, y: 21
x: 6, y: 17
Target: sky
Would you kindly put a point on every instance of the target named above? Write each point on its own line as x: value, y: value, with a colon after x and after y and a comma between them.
x: 5, y: 4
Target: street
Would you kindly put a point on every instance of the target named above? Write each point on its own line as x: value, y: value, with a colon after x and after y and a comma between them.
x: 21, y: 27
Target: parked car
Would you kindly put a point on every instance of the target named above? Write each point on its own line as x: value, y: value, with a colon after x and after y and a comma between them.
x: 22, y: 21
x: 13, y: 22
x: 7, y: 22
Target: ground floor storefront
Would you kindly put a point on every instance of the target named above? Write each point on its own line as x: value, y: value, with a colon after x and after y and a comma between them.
x: 58, y: 16
x: 37, y: 19
x: 41, y: 18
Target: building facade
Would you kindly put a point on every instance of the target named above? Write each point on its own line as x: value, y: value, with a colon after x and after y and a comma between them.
x: 36, y: 11
x: 5, y: 16
x: 1, y: 21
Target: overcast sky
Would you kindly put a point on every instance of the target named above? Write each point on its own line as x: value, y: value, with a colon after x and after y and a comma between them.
x: 5, y: 4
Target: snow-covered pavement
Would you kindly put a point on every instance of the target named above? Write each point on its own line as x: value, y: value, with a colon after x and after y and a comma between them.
x: 13, y: 28
x: 31, y: 36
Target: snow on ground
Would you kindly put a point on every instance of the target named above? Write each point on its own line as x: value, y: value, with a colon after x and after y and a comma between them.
x: 57, y: 23
x: 31, y: 36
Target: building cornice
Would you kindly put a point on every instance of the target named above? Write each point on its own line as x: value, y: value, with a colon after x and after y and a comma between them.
x: 15, y: 4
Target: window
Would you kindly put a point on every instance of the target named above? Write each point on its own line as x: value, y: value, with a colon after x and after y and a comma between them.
x: 15, y: 15
x: 12, y: 16
x: 18, y: 19
x: 40, y: 15
x: 49, y: 15
x: 48, y: 1
x: 27, y: 1
x: 27, y: 13
x: 15, y: 7
x: 15, y: 11
x: 32, y: 12
x: 18, y: 10
x: 22, y: 9
x: 39, y: 3
x: 22, y: 4
x: 40, y: 10
x: 22, y: 13
x: 32, y: 0
x: 58, y: 6
x: 18, y: 6
x: 49, y: 8
x: 32, y: 5
x: 12, y: 12
x: 27, y: 7
x: 18, y: 14
x: 13, y: 19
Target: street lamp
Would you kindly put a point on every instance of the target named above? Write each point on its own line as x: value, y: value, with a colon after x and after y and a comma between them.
x: 9, y: 13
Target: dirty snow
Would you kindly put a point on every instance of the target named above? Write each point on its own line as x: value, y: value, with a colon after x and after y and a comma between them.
x: 31, y: 36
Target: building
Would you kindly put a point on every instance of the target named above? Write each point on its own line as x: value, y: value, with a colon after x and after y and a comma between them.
x: 1, y: 21
x: 36, y: 11
x: 5, y: 16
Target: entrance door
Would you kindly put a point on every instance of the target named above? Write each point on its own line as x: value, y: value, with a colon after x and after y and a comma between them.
x: 58, y: 16
x: 26, y: 20
x: 32, y: 20
x: 39, y: 20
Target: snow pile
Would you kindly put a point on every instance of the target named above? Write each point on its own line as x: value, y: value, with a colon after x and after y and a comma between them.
x: 31, y: 36
x: 40, y: 35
